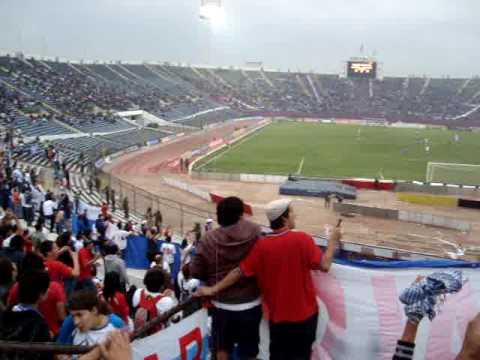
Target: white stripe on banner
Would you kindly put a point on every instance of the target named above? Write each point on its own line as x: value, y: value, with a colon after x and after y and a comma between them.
x: 361, y: 317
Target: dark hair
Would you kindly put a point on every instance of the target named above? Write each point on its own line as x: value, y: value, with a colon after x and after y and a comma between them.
x: 111, y: 249
x: 64, y: 239
x: 45, y: 247
x: 17, y: 243
x: 31, y: 261
x: 279, y: 222
x: 32, y: 285
x: 6, y: 271
x: 229, y: 211
x: 156, y: 280
x: 87, y: 300
x: 111, y: 285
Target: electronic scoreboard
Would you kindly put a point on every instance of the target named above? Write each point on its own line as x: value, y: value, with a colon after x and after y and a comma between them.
x: 364, y: 69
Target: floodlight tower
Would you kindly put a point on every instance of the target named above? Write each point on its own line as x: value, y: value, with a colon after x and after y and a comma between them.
x: 212, y: 11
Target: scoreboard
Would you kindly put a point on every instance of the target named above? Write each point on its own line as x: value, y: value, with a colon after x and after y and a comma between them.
x: 362, y: 69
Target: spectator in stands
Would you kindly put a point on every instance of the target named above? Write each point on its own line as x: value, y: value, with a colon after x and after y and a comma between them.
x: 169, y: 250
x: 107, y: 194
x: 101, y: 227
x: 208, y: 225
x: 156, y: 299
x: 56, y: 269
x: 114, y: 263
x: 237, y: 311
x: 82, y: 222
x: 8, y: 272
x: 38, y: 236
x: 158, y: 219
x: 59, y: 221
x: 23, y: 322
x: 120, y: 237
x: 16, y: 202
x: 15, y: 251
x: 90, y: 185
x: 49, y: 207
x: 104, y: 210
x: 113, y: 293
x: 65, y: 205
x: 282, y: 263
x: 149, y: 218
x: 113, y: 200
x: 90, y: 322
x: 53, y: 307
x: 65, y: 240
x: 186, y: 283
x: 126, y: 207
x: 26, y: 199
x: 160, y: 262
x: 87, y: 260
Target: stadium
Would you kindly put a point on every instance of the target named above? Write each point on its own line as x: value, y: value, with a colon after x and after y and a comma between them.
x: 135, y: 155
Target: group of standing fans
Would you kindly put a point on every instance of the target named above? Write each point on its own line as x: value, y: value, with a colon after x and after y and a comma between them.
x: 49, y: 289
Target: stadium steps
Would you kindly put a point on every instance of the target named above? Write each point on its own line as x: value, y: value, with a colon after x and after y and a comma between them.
x: 303, y: 86
x: 79, y: 184
x: 425, y: 86
x: 267, y: 80
x: 314, y: 89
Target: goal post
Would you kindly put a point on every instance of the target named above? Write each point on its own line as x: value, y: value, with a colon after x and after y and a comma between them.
x: 453, y: 173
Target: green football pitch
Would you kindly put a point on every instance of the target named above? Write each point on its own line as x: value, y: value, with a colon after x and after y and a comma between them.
x: 329, y: 150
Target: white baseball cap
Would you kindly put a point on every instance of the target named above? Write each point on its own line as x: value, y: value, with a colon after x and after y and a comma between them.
x: 276, y: 208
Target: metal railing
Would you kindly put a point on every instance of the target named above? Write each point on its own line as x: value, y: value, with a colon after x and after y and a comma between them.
x: 179, y: 216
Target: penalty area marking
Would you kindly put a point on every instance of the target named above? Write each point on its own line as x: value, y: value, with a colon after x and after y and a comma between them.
x: 300, y: 166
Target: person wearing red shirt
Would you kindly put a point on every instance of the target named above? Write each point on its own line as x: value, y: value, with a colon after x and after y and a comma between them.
x: 104, y: 210
x: 114, y: 296
x: 53, y: 306
x: 57, y: 270
x: 282, y: 263
x: 86, y: 261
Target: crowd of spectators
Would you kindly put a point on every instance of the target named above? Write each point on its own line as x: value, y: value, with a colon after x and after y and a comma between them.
x: 50, y: 291
x: 90, y: 94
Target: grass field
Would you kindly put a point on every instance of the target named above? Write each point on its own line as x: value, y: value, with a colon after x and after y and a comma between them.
x: 330, y: 150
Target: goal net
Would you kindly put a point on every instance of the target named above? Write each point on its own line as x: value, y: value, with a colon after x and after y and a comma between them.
x: 452, y: 173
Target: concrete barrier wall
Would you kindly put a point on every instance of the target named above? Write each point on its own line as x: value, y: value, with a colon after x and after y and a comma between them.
x: 390, y: 214
x: 408, y: 216
x: 428, y: 199
x: 270, y: 179
x: 436, y: 190
x: 433, y: 220
x: 214, y: 176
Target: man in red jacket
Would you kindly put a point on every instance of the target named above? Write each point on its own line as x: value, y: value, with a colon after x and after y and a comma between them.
x: 282, y: 262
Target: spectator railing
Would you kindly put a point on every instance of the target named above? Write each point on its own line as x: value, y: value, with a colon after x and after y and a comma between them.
x: 179, y: 216
x: 60, y: 349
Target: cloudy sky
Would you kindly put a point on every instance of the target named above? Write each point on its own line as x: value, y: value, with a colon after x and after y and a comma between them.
x: 432, y: 37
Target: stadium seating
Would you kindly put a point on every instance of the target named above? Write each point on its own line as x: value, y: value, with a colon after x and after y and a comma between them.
x: 38, y: 96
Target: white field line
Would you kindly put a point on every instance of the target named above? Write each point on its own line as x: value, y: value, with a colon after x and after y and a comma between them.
x: 232, y: 147
x: 300, y: 166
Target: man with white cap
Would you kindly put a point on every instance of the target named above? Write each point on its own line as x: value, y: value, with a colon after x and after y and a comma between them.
x: 282, y: 262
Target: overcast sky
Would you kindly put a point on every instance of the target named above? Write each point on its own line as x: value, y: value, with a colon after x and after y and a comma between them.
x: 433, y: 37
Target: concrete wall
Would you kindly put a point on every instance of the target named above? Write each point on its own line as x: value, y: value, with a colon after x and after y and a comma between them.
x: 408, y: 216
x: 366, y: 211
x: 436, y: 190
x: 433, y: 220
